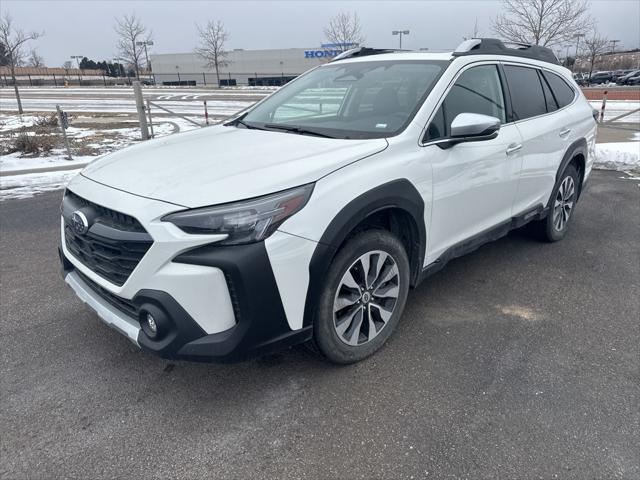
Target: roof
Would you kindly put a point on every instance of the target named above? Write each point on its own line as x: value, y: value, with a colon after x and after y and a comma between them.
x: 474, y: 46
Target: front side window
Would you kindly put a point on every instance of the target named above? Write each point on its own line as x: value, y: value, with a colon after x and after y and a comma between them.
x: 364, y: 99
x: 477, y: 90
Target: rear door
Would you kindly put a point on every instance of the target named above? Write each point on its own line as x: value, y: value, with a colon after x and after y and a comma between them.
x: 474, y: 183
x: 545, y: 132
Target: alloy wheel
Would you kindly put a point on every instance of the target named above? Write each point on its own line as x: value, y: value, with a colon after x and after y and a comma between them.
x: 366, y: 298
x: 563, y: 204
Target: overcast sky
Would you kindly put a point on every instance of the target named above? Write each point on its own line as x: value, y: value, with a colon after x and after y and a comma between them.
x: 86, y: 27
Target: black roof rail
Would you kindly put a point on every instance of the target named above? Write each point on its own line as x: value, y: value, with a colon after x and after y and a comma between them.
x: 493, y: 46
x: 362, y: 52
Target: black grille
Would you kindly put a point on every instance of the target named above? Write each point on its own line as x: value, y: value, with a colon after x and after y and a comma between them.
x: 114, y: 244
x: 118, y: 220
x: 123, y: 305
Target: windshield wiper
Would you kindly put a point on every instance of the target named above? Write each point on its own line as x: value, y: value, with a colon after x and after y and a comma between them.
x: 239, y: 121
x: 295, y: 129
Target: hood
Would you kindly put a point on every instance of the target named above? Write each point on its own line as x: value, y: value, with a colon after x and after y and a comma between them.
x: 221, y: 164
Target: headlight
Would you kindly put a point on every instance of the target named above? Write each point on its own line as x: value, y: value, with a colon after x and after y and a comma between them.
x: 247, y: 221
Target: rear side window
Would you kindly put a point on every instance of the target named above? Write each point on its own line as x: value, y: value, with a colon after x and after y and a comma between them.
x: 562, y: 91
x: 527, y: 96
x: 477, y: 90
x: 552, y: 106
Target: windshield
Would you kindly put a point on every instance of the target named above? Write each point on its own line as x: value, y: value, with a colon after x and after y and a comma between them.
x: 349, y: 100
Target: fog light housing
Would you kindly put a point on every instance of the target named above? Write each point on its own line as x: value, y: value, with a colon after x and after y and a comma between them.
x: 154, y: 322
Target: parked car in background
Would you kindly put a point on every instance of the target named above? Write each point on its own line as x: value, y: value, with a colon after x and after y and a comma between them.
x: 580, y: 79
x: 616, y: 74
x: 600, y: 78
x: 634, y: 80
x: 624, y: 79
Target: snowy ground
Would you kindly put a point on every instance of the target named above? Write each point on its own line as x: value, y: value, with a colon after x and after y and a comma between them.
x: 28, y: 185
x: 91, y: 138
x: 615, y: 108
x: 623, y: 156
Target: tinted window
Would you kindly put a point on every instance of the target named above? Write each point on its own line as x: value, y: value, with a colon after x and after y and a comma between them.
x: 527, y: 97
x: 550, y: 100
x: 564, y: 93
x: 477, y: 90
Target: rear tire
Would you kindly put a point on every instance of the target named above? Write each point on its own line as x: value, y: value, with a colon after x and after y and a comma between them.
x: 363, y: 297
x: 562, y: 204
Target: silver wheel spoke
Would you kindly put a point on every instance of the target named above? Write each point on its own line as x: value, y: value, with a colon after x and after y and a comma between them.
x: 349, y: 281
x: 385, y: 314
x: 356, y: 326
x: 365, y: 261
x: 380, y: 261
x: 343, y: 325
x: 387, y: 290
x: 372, y: 326
x: 344, y: 301
x: 388, y: 273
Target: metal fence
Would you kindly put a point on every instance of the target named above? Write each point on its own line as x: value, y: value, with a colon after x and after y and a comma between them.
x: 183, y: 79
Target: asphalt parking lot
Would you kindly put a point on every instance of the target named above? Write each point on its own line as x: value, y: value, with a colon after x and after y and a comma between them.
x: 520, y: 360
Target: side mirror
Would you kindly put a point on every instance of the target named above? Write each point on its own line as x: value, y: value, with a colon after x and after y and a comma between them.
x: 473, y: 127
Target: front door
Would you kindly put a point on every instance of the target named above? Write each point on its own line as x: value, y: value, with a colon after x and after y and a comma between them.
x: 474, y: 183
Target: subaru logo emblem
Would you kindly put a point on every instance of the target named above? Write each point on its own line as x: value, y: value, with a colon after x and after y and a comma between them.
x: 79, y: 222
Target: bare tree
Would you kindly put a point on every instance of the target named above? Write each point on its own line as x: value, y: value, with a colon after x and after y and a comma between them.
x: 4, y: 59
x: 595, y: 46
x: 213, y: 36
x: 13, y: 40
x: 131, y: 32
x: 344, y: 29
x: 35, y: 60
x: 542, y: 22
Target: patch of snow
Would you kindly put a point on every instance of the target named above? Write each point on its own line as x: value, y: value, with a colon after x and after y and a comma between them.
x: 25, y: 186
x: 15, y: 122
x: 13, y: 161
x: 622, y: 156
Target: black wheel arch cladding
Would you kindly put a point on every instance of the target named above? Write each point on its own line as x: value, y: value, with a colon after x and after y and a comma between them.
x: 398, y: 194
x: 578, y: 147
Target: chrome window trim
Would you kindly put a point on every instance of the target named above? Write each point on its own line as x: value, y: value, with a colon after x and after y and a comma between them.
x: 514, y: 122
x: 444, y: 95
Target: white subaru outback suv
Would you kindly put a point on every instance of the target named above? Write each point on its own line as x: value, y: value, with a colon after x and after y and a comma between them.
x: 310, y: 216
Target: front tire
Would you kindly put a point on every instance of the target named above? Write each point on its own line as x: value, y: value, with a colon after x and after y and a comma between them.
x: 561, y: 206
x: 363, y: 297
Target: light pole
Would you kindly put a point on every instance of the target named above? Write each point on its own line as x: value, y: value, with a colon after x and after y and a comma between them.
x: 77, y: 58
x: 400, y: 33
x: 146, y: 54
x: 577, y: 35
x: 613, y: 45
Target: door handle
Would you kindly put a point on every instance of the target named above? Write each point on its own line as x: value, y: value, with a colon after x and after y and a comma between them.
x: 565, y: 132
x: 513, y: 148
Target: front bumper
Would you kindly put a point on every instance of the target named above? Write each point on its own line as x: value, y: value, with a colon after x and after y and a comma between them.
x: 222, y: 303
x: 261, y: 325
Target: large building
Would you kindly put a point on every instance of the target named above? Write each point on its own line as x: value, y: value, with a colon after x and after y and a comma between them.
x: 245, y: 67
